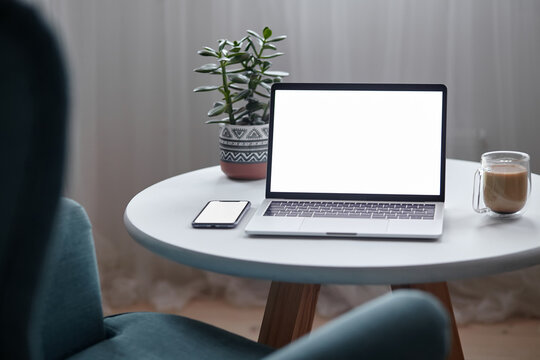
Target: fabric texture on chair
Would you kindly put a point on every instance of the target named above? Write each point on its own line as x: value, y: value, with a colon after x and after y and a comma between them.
x: 163, y: 336
x: 69, y: 315
x: 33, y: 103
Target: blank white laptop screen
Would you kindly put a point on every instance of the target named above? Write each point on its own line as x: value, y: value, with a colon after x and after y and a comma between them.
x: 357, y: 142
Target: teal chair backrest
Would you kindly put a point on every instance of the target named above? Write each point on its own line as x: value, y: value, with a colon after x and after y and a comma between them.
x: 33, y: 113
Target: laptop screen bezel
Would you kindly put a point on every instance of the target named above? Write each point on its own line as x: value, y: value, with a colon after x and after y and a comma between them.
x: 347, y: 196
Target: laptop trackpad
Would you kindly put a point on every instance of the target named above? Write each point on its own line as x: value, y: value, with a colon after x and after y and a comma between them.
x: 345, y: 226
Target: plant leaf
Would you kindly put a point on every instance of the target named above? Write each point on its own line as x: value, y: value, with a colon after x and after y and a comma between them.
x: 206, y: 68
x: 269, y: 46
x: 277, y: 38
x: 207, y: 53
x: 241, y: 112
x: 222, y: 44
x: 272, y: 55
x: 235, y: 87
x: 253, y: 106
x: 262, y: 94
x: 237, y: 58
x: 216, y: 110
x: 250, y: 44
x: 266, y: 86
x: 234, y: 71
x: 251, y: 32
x: 239, y: 78
x: 222, y: 121
x: 243, y: 121
x: 241, y: 95
x: 205, y: 88
x: 276, y: 73
x: 267, y: 32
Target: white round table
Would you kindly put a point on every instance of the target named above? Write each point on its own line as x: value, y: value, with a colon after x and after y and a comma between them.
x: 160, y: 216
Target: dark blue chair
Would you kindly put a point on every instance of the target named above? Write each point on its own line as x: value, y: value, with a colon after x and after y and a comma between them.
x: 51, y: 302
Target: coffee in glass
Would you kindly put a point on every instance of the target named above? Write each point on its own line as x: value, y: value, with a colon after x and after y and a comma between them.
x: 503, y: 182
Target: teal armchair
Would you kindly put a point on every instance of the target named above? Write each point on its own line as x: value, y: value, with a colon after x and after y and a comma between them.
x: 50, y: 294
x: 402, y: 325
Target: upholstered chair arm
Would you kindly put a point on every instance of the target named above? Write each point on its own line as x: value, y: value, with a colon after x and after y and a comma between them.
x: 402, y: 325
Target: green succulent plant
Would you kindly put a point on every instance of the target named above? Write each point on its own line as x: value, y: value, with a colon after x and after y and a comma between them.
x: 246, y: 78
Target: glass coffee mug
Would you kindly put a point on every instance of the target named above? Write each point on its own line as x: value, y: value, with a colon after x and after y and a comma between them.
x: 502, y: 184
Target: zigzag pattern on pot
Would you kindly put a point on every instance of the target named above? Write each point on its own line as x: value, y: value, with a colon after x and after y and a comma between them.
x: 237, y: 132
x: 243, y: 157
x: 254, y: 134
x: 243, y: 133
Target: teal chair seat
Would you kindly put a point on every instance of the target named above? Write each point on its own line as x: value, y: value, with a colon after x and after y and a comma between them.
x: 163, y: 336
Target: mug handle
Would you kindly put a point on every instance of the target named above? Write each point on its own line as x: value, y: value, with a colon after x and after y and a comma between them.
x: 476, y: 193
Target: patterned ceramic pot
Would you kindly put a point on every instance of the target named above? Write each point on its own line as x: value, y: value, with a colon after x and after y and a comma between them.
x: 243, y: 150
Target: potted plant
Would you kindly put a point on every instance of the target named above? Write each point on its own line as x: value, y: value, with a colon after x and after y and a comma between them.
x: 243, y: 67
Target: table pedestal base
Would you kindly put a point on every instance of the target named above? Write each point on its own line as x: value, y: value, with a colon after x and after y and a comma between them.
x: 289, y: 313
x: 440, y: 291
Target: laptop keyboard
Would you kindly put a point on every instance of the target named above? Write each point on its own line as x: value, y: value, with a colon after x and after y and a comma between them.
x: 341, y: 209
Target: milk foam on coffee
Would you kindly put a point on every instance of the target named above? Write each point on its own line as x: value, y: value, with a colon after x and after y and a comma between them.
x: 505, y: 188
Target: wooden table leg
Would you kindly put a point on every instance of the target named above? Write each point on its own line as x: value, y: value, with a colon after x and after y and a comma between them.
x: 289, y: 312
x: 440, y: 291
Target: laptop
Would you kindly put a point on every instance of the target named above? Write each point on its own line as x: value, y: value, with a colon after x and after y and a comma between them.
x: 355, y: 160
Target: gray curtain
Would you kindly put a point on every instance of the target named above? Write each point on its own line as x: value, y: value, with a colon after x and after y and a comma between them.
x: 135, y: 119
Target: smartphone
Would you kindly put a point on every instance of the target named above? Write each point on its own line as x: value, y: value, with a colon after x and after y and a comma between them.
x: 221, y: 214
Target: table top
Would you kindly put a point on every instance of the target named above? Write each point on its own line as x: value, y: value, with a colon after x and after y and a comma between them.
x: 472, y: 244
